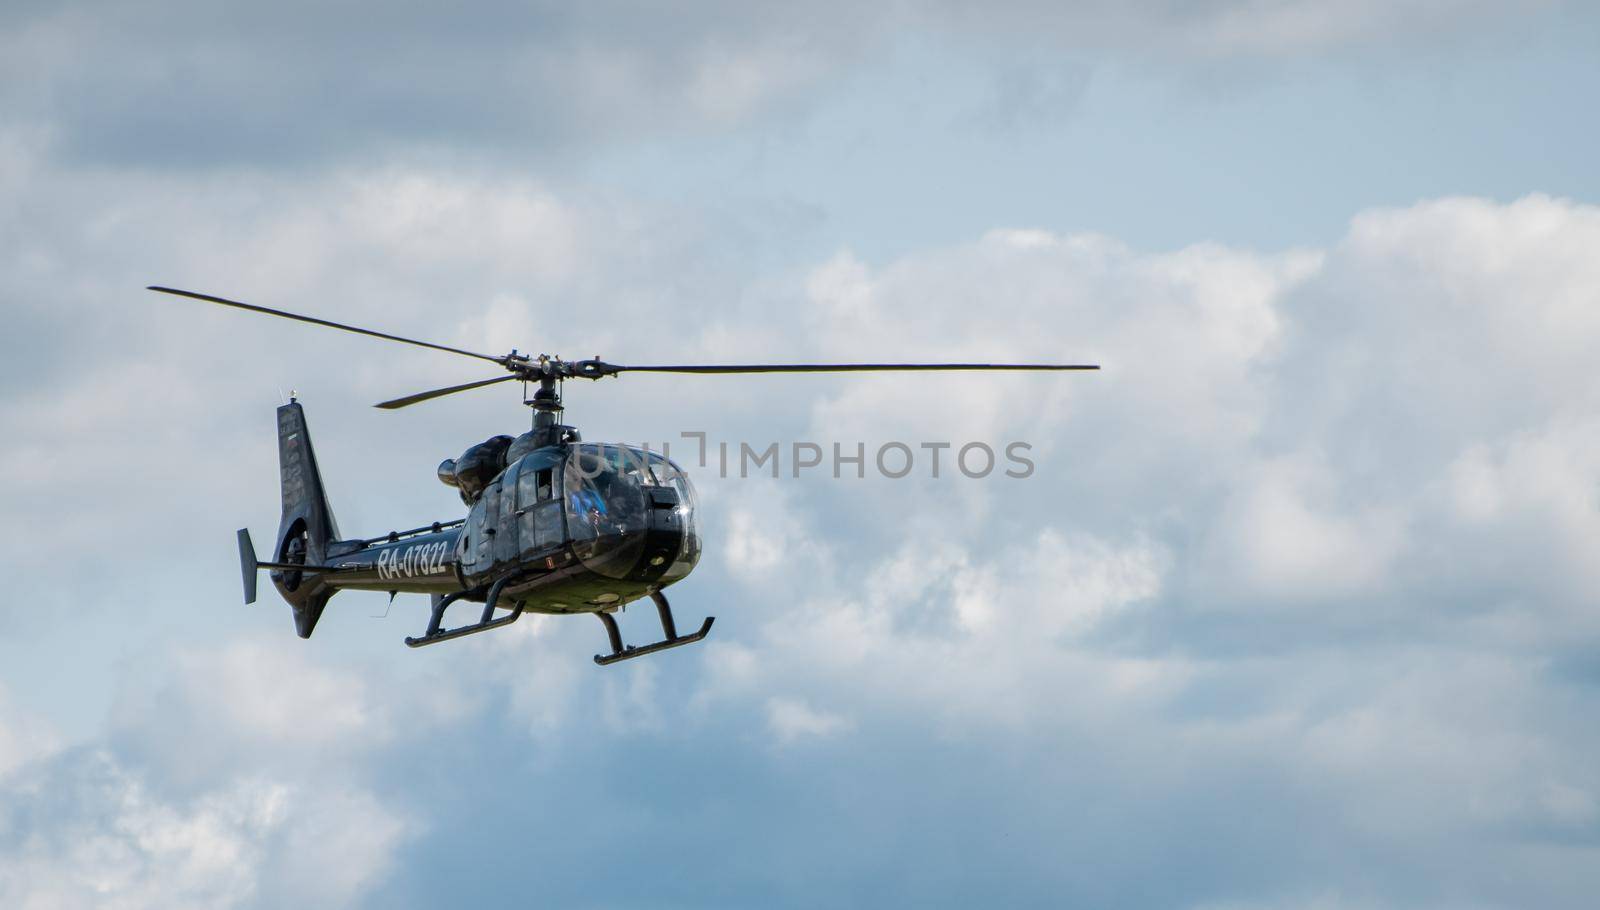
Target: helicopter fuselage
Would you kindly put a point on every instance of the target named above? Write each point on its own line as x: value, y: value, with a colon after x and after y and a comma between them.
x: 575, y: 528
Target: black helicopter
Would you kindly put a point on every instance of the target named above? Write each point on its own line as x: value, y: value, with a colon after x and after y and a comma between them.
x: 554, y: 524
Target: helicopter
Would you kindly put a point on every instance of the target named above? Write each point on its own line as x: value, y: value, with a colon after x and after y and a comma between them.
x: 555, y: 525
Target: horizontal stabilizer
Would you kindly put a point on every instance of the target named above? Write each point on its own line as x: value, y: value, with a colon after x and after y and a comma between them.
x: 248, y: 565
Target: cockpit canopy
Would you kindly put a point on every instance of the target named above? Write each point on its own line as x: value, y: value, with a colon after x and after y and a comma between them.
x: 611, y: 491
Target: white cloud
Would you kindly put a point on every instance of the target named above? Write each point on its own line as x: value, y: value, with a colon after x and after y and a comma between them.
x: 265, y: 690
x: 340, y: 846
x: 264, y: 705
x: 133, y: 851
x: 1287, y: 28
x: 1526, y: 507
x: 93, y: 834
x: 23, y: 737
x: 1286, y: 536
x: 232, y: 778
x: 535, y: 79
x: 792, y: 719
x: 933, y: 629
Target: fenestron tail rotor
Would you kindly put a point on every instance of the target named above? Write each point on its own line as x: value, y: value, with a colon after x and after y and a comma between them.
x: 548, y: 370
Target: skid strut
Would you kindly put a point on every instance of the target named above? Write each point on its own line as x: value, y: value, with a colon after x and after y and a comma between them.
x: 434, y: 635
x: 619, y: 651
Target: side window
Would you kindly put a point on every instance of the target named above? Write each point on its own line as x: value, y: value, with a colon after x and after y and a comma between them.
x: 508, y: 495
x: 527, y: 500
x: 547, y: 524
x: 505, y: 541
x: 527, y: 490
x: 491, y: 522
x: 471, y: 537
x: 538, y: 511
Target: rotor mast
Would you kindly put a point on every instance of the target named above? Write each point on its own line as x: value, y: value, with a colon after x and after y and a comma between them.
x: 547, y: 410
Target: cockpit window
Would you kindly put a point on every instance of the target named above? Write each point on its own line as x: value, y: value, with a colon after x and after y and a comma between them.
x: 604, y: 491
x: 535, y: 483
x: 664, y: 472
x: 618, y: 497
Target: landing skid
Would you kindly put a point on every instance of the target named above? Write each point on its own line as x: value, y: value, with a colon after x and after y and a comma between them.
x: 434, y: 635
x: 619, y: 651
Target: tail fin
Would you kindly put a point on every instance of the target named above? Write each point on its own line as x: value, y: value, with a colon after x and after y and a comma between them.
x: 307, y: 526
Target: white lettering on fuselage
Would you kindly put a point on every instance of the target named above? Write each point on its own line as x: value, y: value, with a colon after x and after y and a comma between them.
x: 410, y: 562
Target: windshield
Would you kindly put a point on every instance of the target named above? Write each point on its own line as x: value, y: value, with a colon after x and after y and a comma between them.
x: 605, y: 499
x: 621, y: 501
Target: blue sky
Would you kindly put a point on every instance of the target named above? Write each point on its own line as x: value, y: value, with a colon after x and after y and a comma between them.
x: 1298, y: 610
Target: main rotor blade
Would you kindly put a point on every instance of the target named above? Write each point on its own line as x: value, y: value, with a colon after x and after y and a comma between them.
x: 849, y: 367
x: 332, y: 325
x: 437, y: 393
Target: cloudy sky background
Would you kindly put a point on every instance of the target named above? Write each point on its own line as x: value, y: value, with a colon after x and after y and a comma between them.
x: 1299, y: 610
